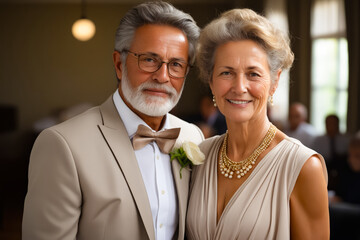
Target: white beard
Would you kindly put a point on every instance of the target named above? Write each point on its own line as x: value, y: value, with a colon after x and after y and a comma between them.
x: 154, y: 106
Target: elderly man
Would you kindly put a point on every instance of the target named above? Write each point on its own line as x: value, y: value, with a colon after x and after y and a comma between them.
x: 299, y: 128
x: 88, y: 177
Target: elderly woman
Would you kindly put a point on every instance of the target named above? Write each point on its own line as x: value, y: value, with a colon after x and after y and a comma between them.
x: 256, y: 183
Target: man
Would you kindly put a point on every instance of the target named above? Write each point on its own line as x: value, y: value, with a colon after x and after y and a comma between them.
x: 333, y: 145
x: 85, y: 179
x: 298, y: 127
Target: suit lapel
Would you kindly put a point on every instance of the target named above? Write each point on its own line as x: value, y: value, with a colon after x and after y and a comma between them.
x: 118, y: 141
x: 182, y: 190
x: 181, y: 184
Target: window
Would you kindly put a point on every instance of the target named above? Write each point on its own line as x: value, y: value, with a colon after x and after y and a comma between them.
x: 329, y: 78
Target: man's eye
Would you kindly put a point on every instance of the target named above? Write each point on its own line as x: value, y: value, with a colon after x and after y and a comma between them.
x: 177, y: 64
x: 149, y: 59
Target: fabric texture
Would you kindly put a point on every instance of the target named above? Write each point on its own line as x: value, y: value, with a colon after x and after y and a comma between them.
x: 164, y: 139
x: 259, y: 209
x: 85, y: 183
x: 157, y: 175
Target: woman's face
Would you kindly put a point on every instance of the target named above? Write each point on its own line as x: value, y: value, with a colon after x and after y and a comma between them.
x: 241, y: 81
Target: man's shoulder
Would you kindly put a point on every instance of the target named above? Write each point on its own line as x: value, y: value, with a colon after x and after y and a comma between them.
x: 178, y: 122
x: 88, y: 118
x: 188, y: 131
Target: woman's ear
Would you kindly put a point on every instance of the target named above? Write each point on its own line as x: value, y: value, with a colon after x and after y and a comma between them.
x: 275, y: 83
x: 211, y: 86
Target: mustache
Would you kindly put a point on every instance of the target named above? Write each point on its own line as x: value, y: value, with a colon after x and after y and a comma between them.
x: 169, y: 90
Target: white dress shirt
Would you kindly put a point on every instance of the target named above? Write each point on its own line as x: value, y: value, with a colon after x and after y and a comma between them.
x: 155, y: 168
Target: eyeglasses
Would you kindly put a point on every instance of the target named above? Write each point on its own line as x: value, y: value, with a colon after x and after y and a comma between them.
x: 151, y: 63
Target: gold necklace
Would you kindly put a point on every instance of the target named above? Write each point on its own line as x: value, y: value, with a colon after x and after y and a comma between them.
x: 228, y: 167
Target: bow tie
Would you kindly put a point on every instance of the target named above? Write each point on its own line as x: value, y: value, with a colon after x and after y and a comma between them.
x: 164, y: 139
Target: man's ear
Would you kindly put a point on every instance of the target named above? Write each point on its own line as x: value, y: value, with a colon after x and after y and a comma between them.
x: 117, y: 64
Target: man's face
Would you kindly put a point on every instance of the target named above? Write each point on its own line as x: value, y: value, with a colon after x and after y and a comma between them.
x: 296, y: 116
x: 332, y: 126
x: 152, y: 94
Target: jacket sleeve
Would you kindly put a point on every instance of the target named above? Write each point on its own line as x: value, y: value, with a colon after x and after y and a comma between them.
x: 53, y: 201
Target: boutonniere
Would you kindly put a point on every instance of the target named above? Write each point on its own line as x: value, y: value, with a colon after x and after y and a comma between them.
x: 187, y: 154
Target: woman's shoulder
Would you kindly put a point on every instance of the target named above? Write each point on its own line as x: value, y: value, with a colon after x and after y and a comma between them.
x: 211, y: 142
x: 292, y: 152
x: 295, y: 145
x: 299, y: 154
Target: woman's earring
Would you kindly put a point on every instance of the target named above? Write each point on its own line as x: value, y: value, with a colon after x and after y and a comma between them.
x: 214, y: 101
x: 271, y: 100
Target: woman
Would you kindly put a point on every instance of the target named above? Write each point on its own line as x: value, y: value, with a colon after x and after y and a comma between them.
x: 256, y: 182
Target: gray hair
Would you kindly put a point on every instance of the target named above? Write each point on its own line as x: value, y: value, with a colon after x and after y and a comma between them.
x: 243, y: 24
x: 156, y: 13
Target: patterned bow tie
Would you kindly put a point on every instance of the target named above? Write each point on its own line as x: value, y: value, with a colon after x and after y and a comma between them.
x: 164, y: 139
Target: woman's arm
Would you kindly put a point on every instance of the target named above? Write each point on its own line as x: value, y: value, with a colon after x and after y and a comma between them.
x: 309, y: 210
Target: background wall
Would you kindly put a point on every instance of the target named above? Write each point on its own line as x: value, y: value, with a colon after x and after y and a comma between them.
x: 44, y: 68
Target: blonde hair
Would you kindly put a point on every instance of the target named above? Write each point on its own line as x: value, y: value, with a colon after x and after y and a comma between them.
x: 243, y: 24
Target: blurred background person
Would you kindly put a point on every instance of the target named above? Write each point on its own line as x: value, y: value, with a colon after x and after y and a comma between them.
x: 344, y: 199
x: 208, y: 118
x: 347, y: 188
x: 212, y: 116
x: 298, y: 127
x: 206, y: 129
x: 333, y: 146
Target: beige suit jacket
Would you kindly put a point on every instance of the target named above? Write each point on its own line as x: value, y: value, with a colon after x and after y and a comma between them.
x: 85, y: 183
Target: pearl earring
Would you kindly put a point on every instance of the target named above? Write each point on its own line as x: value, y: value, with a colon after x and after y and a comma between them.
x: 214, y: 101
x: 271, y: 100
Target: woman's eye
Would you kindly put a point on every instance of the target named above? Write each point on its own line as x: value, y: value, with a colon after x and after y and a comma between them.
x: 225, y: 73
x: 253, y: 74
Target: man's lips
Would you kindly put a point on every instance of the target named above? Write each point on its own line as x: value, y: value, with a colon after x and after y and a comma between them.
x: 157, y: 92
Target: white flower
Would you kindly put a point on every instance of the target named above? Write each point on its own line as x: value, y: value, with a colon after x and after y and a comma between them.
x: 193, y: 152
x: 187, y: 153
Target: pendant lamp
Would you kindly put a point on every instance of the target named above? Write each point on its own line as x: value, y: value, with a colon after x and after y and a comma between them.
x: 83, y: 29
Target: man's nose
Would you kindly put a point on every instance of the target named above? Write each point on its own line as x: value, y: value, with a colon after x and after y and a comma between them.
x: 162, y: 74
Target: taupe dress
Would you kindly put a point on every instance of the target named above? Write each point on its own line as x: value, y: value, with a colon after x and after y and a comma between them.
x: 259, y: 209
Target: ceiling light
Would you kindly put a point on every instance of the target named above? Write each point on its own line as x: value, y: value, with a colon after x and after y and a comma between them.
x: 83, y: 29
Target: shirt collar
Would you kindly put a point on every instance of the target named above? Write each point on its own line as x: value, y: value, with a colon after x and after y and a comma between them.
x: 129, y: 118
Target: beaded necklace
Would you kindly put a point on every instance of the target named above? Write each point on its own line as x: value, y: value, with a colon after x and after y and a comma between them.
x: 229, y: 167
